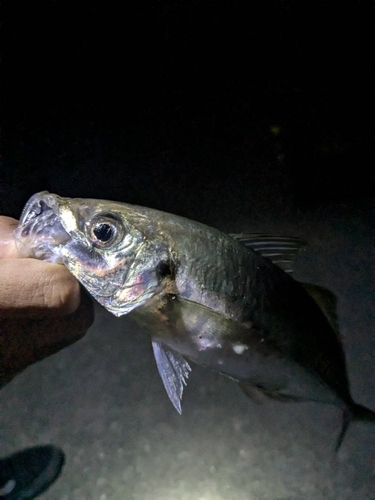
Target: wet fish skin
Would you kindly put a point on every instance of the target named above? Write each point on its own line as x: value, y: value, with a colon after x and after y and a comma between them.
x: 202, y: 295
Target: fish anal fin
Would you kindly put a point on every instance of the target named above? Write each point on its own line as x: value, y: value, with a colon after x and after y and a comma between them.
x: 257, y: 396
x: 259, y: 392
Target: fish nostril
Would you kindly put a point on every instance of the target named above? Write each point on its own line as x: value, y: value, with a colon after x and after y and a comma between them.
x: 38, y: 208
x: 41, y: 207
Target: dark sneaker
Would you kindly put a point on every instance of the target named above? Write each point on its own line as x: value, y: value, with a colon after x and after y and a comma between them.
x: 29, y: 472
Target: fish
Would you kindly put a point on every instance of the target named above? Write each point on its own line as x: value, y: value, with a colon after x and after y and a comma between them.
x: 224, y: 301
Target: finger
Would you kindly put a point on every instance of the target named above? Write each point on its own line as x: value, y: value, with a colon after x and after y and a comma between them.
x: 8, y: 247
x: 33, y: 288
x: 53, y: 335
x: 25, y: 341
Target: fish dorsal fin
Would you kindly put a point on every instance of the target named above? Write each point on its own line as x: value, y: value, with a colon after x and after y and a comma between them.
x: 174, y: 370
x: 326, y: 301
x: 281, y: 250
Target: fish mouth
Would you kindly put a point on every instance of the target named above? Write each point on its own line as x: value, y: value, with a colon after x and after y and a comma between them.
x: 40, y: 233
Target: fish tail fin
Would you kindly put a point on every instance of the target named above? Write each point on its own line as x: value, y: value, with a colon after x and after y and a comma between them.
x: 350, y: 413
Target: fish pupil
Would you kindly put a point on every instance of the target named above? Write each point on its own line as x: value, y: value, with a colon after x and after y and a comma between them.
x: 103, y: 232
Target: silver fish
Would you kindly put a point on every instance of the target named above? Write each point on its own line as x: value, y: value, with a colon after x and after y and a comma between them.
x: 227, y: 302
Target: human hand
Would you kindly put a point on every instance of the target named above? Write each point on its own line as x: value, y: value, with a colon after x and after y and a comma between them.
x: 42, y: 307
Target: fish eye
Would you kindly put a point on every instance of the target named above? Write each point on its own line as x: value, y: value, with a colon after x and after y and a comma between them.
x: 105, y: 231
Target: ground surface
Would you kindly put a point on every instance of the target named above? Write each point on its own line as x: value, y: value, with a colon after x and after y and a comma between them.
x: 103, y: 402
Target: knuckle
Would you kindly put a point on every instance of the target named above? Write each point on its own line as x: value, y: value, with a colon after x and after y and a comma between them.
x: 61, y: 290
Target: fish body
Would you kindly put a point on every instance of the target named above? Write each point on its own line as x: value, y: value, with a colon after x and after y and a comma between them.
x: 216, y: 299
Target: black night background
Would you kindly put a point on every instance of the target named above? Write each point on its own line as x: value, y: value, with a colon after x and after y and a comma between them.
x: 163, y: 103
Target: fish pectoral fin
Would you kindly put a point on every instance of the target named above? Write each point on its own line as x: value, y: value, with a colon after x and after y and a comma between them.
x: 260, y: 391
x: 174, y: 370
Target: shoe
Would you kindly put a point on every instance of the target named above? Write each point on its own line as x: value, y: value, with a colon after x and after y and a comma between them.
x: 28, y: 473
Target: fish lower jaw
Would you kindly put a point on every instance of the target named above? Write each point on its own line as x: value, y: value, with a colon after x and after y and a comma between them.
x: 42, y: 251
x: 116, y: 310
x: 48, y: 255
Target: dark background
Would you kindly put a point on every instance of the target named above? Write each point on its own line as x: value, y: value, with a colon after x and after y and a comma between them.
x: 187, y: 106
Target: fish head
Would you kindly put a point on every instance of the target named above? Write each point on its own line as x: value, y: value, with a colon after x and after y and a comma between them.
x: 104, y: 244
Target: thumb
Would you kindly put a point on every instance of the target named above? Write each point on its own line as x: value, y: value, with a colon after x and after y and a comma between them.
x: 33, y: 288
x: 8, y: 247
